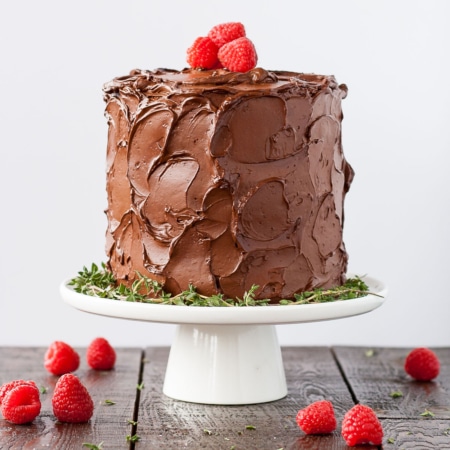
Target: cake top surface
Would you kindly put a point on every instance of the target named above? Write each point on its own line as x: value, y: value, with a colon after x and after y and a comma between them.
x: 195, y: 80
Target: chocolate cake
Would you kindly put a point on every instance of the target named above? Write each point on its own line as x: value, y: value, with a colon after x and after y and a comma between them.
x: 226, y: 180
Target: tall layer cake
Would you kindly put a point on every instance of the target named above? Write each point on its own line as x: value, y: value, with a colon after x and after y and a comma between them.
x: 226, y: 180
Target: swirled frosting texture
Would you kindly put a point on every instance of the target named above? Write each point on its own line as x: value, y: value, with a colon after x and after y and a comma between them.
x: 226, y: 180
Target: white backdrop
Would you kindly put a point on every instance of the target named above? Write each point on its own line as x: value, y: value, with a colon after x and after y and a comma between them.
x: 394, y: 57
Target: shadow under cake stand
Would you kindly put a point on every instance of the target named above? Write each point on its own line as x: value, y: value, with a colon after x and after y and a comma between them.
x: 226, y: 355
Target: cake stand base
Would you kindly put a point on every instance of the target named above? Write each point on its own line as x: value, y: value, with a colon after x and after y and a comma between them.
x: 225, y: 365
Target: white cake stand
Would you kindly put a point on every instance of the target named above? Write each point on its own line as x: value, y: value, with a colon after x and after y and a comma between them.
x: 226, y: 355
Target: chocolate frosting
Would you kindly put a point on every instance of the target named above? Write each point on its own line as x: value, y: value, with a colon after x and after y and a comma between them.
x: 226, y: 180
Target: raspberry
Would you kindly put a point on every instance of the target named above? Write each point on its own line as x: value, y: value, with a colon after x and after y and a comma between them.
x: 202, y: 54
x: 422, y: 364
x: 71, y: 401
x: 61, y: 358
x: 238, y: 55
x: 5, y: 388
x: 21, y: 404
x: 361, y: 426
x: 317, y: 418
x: 100, y: 355
x: 226, y: 32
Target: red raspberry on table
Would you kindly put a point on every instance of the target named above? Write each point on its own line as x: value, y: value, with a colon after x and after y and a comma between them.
x: 61, y: 358
x: 5, y: 388
x: 238, y: 55
x: 422, y: 364
x: 361, y: 426
x: 202, y: 54
x: 21, y: 404
x: 317, y: 418
x: 226, y: 32
x: 100, y: 355
x: 71, y: 400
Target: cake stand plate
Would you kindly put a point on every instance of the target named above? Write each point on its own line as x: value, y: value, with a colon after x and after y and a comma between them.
x: 226, y: 355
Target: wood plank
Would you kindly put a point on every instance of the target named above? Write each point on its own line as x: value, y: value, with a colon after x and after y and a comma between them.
x: 312, y: 374
x: 374, y: 374
x: 108, y: 424
x: 409, y: 434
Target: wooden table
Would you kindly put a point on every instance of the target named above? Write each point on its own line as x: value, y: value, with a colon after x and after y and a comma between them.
x: 132, y: 412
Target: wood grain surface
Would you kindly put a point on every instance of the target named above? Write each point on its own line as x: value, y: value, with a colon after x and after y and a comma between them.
x: 109, y: 423
x: 343, y: 375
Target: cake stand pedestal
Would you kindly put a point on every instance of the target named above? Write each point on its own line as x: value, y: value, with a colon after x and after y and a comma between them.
x: 226, y: 355
x: 225, y: 364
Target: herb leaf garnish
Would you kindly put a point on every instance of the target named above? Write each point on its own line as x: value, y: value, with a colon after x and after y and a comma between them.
x: 99, y: 282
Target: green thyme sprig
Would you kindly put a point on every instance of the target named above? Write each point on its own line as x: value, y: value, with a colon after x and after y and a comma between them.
x: 93, y: 446
x: 99, y: 282
x: 353, y: 288
x: 427, y: 413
